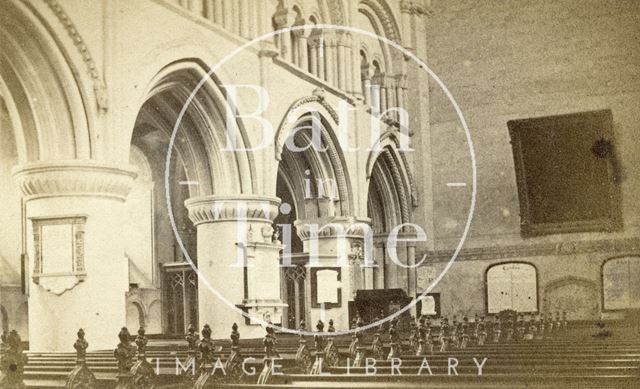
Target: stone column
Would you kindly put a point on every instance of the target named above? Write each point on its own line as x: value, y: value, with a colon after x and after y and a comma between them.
x: 283, y: 39
x: 339, y: 245
x: 353, y: 64
x: 368, y: 277
x: 366, y: 84
x: 244, y: 18
x: 342, y: 61
x: 400, y: 81
x: 384, y: 103
x: 313, y: 57
x: 303, y: 52
x: 207, y: 9
x: 77, y: 270
x: 263, y: 19
x: 407, y: 9
x: 391, y: 93
x: 379, y: 253
x: 234, y: 231
x: 300, y: 52
x: 218, y: 17
x: 330, y: 61
x: 412, y: 277
x: 319, y: 38
x: 227, y: 15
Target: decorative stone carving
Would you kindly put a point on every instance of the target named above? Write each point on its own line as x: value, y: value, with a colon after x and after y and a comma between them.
x: 334, y: 227
x: 267, y: 233
x: 336, y: 10
x: 81, y: 377
x: 69, y: 178
x: 211, y: 209
x: 318, y: 96
x: 12, y: 361
x: 143, y: 374
x: 275, y: 237
x: 99, y: 88
x: 385, y: 14
x: 280, y: 17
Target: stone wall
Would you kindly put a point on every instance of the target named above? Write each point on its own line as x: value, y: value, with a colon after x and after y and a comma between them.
x: 514, y: 60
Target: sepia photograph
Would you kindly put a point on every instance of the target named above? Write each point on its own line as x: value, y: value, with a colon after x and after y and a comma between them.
x: 312, y: 194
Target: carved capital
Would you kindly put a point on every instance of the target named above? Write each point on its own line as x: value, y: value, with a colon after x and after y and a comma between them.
x: 252, y: 208
x: 281, y: 17
x: 338, y: 227
x: 74, y: 178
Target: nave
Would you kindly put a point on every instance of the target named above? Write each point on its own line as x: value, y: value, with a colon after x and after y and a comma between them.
x: 505, y: 351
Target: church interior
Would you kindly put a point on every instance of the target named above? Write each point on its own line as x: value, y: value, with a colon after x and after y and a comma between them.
x: 319, y: 193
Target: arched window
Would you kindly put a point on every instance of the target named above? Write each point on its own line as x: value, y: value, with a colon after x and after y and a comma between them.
x: 512, y: 285
x: 620, y: 286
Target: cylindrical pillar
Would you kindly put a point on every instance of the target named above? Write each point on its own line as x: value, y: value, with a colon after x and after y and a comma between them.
x: 330, y: 61
x: 342, y: 62
x: 244, y: 18
x: 236, y: 247
x: 218, y: 12
x: 321, y: 47
x: 207, y: 9
x: 411, y: 274
x: 383, y: 98
x: 227, y: 14
x: 313, y: 57
x: 303, y: 52
x: 379, y: 253
x: 76, y: 250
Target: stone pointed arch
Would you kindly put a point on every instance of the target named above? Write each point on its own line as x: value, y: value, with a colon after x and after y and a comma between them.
x: 316, y: 103
x: 388, y: 173
x: 382, y: 20
x: 384, y: 13
x: 202, y: 128
x: 389, y: 143
x: 328, y: 165
x: 49, y: 109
